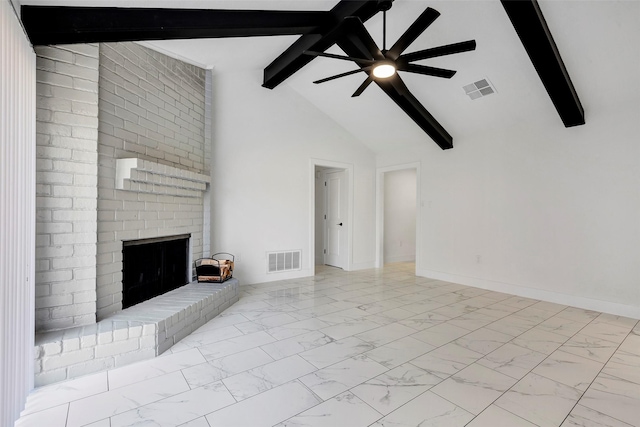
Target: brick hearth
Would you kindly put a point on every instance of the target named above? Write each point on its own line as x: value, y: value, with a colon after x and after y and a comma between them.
x: 137, y: 333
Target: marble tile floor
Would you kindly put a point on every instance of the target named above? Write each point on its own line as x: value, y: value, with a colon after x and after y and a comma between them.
x: 379, y: 348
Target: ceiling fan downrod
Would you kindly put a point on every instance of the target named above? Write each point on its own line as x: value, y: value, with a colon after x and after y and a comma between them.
x: 384, y: 31
x: 384, y: 5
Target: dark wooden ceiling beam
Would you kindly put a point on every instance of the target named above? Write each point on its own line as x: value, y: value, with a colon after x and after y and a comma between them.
x: 47, y: 25
x: 529, y: 23
x: 320, y: 30
x: 293, y: 59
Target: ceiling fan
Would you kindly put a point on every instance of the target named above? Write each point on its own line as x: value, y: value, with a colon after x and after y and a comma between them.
x: 382, y: 64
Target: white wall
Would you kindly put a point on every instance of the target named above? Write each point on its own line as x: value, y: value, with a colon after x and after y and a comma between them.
x: 17, y: 214
x: 263, y: 143
x: 524, y: 205
x: 400, y: 216
x: 537, y: 210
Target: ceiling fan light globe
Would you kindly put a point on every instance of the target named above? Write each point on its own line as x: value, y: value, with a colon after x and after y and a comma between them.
x: 384, y: 71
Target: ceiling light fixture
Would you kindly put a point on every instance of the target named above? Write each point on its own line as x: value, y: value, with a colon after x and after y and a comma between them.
x: 384, y: 70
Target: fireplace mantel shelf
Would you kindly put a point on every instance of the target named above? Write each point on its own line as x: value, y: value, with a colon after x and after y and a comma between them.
x: 145, y: 176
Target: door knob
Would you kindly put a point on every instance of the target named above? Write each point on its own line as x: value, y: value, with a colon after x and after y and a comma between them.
x: 340, y: 224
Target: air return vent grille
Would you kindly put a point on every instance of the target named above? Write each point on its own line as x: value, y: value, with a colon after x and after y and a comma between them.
x: 283, y: 261
x: 479, y: 89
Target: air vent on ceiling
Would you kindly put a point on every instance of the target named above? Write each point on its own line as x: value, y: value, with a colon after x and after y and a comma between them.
x: 479, y: 89
x: 283, y: 261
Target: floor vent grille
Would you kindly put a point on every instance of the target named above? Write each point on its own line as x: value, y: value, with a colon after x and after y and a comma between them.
x: 283, y: 261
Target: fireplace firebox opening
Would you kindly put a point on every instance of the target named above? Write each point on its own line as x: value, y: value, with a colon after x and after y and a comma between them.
x: 152, y: 267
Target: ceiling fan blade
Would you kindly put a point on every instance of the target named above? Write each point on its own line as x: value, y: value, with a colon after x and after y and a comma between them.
x: 395, y: 88
x: 357, y: 34
x: 362, y: 87
x: 428, y: 71
x: 344, y: 58
x: 413, y: 32
x: 397, y: 84
x: 337, y: 76
x: 439, y: 51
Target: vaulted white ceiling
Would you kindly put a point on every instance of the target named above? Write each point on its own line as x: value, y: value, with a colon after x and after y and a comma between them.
x: 598, y: 41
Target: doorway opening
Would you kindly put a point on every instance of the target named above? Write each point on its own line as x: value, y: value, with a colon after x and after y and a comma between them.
x: 398, y: 215
x: 332, y: 214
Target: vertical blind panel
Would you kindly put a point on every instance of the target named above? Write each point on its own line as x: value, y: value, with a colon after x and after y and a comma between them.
x: 17, y: 214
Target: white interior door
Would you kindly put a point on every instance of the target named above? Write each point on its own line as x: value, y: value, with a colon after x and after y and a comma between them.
x: 335, y: 221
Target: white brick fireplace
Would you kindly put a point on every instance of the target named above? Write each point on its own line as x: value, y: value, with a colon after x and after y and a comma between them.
x: 98, y: 105
x: 152, y: 108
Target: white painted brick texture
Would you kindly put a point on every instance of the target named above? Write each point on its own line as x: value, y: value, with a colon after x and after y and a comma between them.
x: 66, y: 194
x: 152, y: 107
x: 132, y: 335
x: 148, y: 106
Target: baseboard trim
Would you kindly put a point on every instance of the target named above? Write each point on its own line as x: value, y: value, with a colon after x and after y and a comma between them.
x: 400, y: 258
x: 362, y: 265
x: 539, y: 294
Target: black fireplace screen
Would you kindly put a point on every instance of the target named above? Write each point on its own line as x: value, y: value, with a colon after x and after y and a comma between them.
x: 153, y: 267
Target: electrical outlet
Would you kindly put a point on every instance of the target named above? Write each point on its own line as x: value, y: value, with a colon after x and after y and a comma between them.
x: 478, y: 259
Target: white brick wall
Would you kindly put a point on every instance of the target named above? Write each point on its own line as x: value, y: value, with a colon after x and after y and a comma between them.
x: 66, y: 193
x: 151, y: 107
x: 147, y: 106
